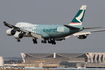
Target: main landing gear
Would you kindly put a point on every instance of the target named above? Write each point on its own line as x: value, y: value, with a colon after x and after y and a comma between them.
x: 52, y: 41
x: 34, y: 40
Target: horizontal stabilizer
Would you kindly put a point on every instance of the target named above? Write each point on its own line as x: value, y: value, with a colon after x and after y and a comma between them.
x: 98, y: 30
x: 71, y: 27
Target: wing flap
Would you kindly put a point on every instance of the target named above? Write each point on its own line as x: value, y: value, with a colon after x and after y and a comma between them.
x: 81, y: 33
x: 36, y: 35
x: 67, y: 36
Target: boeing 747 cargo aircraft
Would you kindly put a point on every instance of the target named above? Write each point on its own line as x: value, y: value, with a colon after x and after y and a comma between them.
x: 51, y: 33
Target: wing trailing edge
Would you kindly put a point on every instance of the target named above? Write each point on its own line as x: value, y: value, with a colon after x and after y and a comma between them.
x: 88, y: 32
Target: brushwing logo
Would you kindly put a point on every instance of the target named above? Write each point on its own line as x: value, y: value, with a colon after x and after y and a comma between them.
x: 80, y: 16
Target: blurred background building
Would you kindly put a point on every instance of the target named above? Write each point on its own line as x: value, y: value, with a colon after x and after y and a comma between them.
x: 63, y: 59
x: 54, y: 60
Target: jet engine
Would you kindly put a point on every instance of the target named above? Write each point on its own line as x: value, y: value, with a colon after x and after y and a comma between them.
x: 18, y: 35
x: 10, y: 32
x: 82, y: 36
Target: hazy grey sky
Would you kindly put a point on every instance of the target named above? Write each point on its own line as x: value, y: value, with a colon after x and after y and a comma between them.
x: 51, y: 12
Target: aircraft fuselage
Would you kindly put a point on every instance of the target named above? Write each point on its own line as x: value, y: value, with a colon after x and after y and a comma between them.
x: 49, y: 31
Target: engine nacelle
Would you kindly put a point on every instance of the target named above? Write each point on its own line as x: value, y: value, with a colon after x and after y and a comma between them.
x: 10, y: 32
x: 18, y: 35
x: 82, y: 36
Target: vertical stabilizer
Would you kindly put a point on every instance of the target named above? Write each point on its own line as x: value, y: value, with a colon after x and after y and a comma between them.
x: 78, y: 19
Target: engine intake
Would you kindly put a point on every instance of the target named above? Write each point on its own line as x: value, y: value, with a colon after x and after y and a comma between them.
x: 10, y: 32
x: 18, y: 35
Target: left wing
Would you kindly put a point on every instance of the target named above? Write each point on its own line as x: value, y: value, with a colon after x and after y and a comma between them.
x: 23, y: 30
x: 10, y: 26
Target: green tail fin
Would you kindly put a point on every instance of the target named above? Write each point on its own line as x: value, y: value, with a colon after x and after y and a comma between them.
x: 78, y: 19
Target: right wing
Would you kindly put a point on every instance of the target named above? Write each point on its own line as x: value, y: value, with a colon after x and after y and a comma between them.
x: 23, y: 30
x: 88, y: 32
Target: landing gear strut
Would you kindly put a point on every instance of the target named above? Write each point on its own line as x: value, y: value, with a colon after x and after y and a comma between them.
x: 34, y: 40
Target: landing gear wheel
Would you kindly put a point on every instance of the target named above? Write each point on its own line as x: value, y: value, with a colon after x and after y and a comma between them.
x: 18, y: 40
x: 34, y: 41
x: 52, y: 41
x: 43, y: 41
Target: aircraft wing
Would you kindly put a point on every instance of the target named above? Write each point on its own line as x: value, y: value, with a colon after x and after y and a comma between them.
x: 87, y: 33
x: 10, y: 26
x: 23, y: 30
